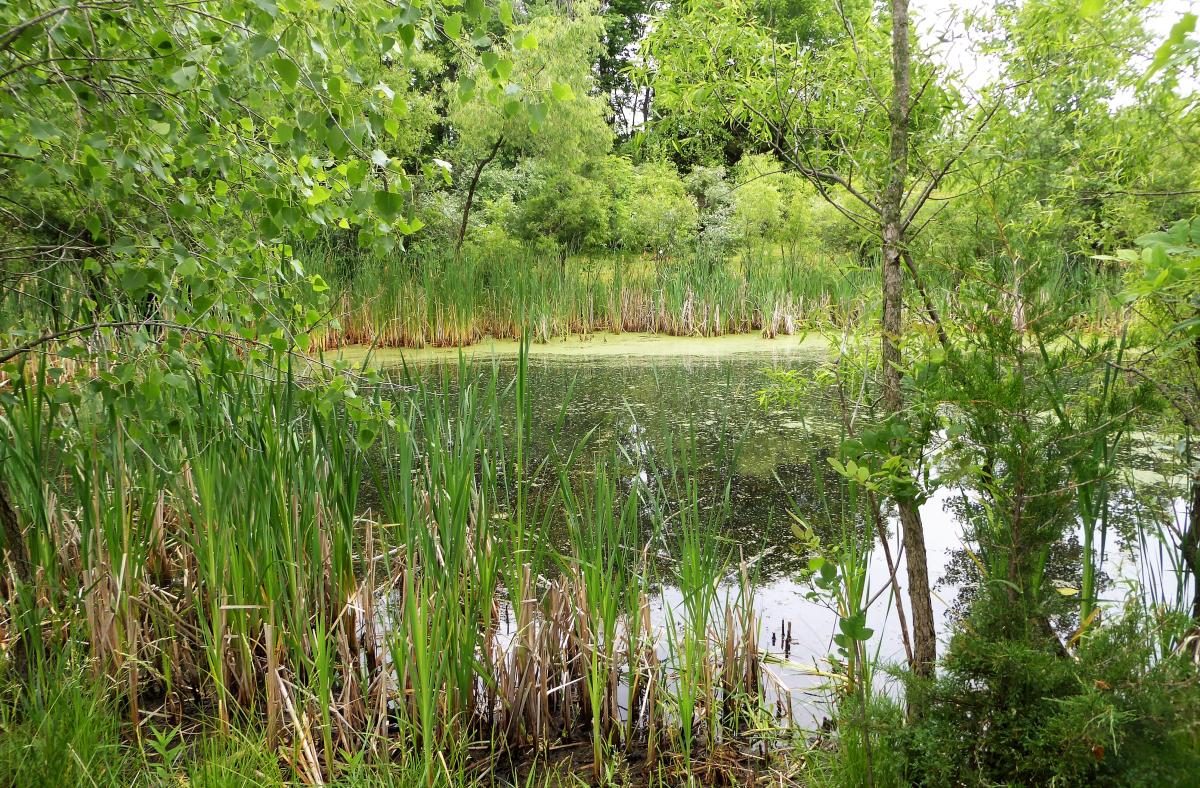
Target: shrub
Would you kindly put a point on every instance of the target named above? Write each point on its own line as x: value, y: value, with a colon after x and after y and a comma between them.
x: 1017, y: 709
x: 659, y: 215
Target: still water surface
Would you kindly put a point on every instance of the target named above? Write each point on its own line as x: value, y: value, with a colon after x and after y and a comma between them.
x: 645, y: 404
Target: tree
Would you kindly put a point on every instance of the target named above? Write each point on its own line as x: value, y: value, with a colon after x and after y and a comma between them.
x: 566, y: 207
x: 1165, y: 281
x: 170, y: 153
x: 157, y: 160
x: 658, y: 215
x: 531, y: 97
x: 624, y: 25
x: 1084, y: 153
x: 873, y: 147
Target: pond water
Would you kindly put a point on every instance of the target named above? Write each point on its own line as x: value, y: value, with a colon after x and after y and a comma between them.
x: 643, y: 398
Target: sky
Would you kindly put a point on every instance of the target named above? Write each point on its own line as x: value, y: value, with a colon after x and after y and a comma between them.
x: 939, y: 26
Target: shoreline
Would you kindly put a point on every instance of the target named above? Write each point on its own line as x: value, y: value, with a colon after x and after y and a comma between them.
x: 598, y: 345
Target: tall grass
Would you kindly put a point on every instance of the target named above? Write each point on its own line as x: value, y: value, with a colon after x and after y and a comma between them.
x: 213, y: 557
x: 444, y: 300
x: 448, y: 300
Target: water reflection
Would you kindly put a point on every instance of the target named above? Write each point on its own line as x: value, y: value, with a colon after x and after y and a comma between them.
x: 763, y: 463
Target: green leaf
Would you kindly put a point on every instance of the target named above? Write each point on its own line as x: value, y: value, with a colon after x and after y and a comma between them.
x: 336, y: 87
x: 466, y: 89
x: 161, y: 42
x: 319, y: 195
x: 43, y: 130
x: 1175, y: 40
x: 562, y: 92
x: 389, y: 204
x: 452, y: 25
x: 261, y: 46
x: 288, y: 71
x: 855, y: 627
x: 537, y: 116
x: 184, y: 76
x: 283, y: 134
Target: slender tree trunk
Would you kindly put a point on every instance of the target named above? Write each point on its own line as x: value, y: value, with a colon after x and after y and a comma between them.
x: 1190, y: 547
x: 1189, y: 542
x: 13, y: 549
x: 466, y: 215
x: 892, y: 226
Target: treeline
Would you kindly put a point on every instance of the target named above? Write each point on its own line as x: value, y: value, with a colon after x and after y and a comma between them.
x: 545, y: 130
x: 1066, y: 168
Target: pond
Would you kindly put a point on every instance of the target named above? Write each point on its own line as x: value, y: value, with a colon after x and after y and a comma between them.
x: 643, y: 397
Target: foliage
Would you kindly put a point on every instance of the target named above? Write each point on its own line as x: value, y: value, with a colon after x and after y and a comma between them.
x: 194, y: 195
x: 1010, y: 710
x: 534, y: 95
x: 566, y: 208
x: 164, y: 156
x: 1084, y: 167
x: 659, y: 215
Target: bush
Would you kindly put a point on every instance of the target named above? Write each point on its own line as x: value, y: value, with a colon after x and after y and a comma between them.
x: 566, y: 208
x: 1019, y: 710
x: 659, y: 215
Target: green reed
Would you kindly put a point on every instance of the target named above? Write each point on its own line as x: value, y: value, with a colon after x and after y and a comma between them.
x: 218, y: 552
x: 444, y: 299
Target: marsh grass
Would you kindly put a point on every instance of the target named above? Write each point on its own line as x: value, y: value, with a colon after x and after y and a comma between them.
x: 451, y: 301
x: 213, y: 566
x: 443, y: 300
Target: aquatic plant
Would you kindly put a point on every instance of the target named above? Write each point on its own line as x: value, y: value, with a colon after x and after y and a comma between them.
x: 221, y: 558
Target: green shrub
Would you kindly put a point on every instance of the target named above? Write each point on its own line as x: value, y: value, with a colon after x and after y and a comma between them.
x: 1016, y: 709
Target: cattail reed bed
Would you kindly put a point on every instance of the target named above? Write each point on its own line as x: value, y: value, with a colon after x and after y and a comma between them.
x: 456, y: 301
x: 209, y: 565
x: 451, y: 301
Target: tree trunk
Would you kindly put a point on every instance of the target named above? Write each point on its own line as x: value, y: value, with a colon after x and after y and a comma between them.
x: 14, y: 549
x: 1190, y: 547
x: 892, y: 226
x: 466, y: 215
x: 1189, y: 540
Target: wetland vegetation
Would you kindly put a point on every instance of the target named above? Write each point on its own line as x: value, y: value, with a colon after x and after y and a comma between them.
x: 546, y: 393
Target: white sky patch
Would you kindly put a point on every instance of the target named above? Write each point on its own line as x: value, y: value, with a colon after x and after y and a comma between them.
x: 940, y: 27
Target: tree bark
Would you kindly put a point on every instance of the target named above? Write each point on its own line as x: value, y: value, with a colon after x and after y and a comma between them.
x: 892, y: 227
x: 14, y: 549
x: 1189, y: 540
x: 466, y: 215
x: 1189, y: 547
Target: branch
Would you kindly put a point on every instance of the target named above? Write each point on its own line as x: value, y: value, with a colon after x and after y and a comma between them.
x: 936, y: 180
x: 1176, y: 193
x: 930, y: 309
x: 811, y: 173
x: 13, y: 33
x: 12, y: 353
